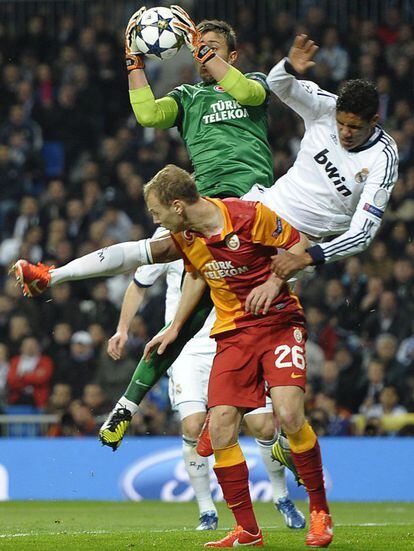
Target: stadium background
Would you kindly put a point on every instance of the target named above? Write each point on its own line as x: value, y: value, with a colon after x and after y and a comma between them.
x: 72, y: 165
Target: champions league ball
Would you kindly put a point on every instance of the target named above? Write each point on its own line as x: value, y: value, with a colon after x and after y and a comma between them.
x: 155, y: 36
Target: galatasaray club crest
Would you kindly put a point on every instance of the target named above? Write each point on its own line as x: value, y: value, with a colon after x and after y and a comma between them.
x: 361, y: 176
x: 188, y: 236
x: 297, y: 333
x: 233, y: 242
x: 218, y: 88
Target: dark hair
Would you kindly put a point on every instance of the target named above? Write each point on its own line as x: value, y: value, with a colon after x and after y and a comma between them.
x: 221, y: 27
x: 359, y: 97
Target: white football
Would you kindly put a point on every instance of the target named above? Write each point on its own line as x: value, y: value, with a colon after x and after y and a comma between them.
x: 155, y: 36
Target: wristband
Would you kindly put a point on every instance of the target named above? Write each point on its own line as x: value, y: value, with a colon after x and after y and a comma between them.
x: 203, y: 53
x: 134, y: 61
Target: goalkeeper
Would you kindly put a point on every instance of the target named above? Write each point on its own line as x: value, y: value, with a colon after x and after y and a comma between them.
x: 223, y: 122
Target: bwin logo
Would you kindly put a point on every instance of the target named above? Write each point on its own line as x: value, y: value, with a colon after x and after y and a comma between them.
x: 332, y: 172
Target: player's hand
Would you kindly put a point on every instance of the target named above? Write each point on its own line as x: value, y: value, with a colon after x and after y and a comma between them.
x: 162, y: 340
x: 186, y: 27
x: 133, y: 57
x: 261, y: 297
x: 116, y: 344
x: 286, y: 264
x: 301, y: 53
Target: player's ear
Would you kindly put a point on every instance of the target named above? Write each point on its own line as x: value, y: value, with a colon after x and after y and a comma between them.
x: 232, y: 57
x: 374, y: 121
x: 178, y: 206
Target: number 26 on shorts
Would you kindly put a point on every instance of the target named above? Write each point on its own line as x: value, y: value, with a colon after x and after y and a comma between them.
x: 287, y: 356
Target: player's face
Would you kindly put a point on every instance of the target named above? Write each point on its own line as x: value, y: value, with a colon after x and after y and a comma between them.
x: 217, y: 42
x: 353, y: 131
x: 168, y: 217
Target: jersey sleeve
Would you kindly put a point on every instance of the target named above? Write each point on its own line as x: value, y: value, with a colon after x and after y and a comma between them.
x: 188, y: 267
x: 303, y: 96
x: 145, y: 276
x: 368, y: 215
x: 271, y: 230
x: 161, y: 113
x: 250, y: 89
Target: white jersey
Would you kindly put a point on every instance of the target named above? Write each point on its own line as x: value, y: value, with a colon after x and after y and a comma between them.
x: 330, y: 190
x: 145, y: 276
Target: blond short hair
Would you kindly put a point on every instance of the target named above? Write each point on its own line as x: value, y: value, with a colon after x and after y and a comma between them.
x: 172, y: 183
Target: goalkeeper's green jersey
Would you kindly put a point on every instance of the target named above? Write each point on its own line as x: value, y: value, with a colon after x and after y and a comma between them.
x: 227, y: 142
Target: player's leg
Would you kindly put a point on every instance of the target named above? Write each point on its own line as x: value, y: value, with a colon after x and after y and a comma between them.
x: 235, y: 379
x: 113, y: 260
x: 148, y: 373
x: 187, y: 389
x: 261, y: 425
x: 197, y: 467
x: 284, y: 367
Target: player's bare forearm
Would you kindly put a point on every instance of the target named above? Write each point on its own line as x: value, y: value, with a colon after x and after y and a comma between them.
x: 137, y: 79
x: 260, y: 298
x: 192, y: 291
x: 133, y: 298
x: 287, y: 263
x: 217, y: 67
x: 164, y: 250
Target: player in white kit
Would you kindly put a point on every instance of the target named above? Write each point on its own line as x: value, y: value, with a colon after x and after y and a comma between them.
x: 188, y: 384
x: 345, y: 170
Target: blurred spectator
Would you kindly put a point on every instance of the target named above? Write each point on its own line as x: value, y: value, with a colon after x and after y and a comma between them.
x: 320, y: 331
x: 388, y: 319
x: 388, y: 404
x: 59, y: 399
x: 30, y: 375
x: 78, y: 368
x: 95, y: 399
x: 333, y: 54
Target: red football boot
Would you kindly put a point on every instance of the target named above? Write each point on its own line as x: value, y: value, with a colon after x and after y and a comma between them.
x: 321, y: 529
x: 32, y: 278
x: 204, y: 447
x: 237, y: 538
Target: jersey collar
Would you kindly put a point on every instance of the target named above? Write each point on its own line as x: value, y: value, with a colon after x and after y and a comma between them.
x: 228, y: 226
x: 375, y: 138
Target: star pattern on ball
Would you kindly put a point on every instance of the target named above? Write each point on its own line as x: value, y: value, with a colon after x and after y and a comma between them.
x: 156, y: 49
x: 163, y: 23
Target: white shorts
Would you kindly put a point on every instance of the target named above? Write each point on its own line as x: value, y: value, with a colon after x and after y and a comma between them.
x: 267, y: 408
x: 189, y: 376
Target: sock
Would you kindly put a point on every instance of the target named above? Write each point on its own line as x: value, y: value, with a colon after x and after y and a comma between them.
x: 108, y: 261
x: 233, y: 476
x: 275, y: 471
x: 306, y: 455
x: 148, y: 372
x: 125, y: 403
x: 197, y: 469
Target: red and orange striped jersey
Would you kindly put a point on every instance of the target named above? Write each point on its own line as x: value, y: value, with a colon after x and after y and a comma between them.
x: 237, y: 260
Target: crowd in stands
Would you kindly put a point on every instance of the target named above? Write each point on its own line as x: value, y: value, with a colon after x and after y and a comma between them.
x: 73, y: 162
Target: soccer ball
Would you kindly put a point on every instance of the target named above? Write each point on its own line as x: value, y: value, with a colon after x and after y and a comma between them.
x: 155, y: 36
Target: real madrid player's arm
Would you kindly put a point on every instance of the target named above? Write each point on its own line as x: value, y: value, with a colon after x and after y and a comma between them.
x: 303, y: 96
x: 364, y: 225
x: 193, y: 289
